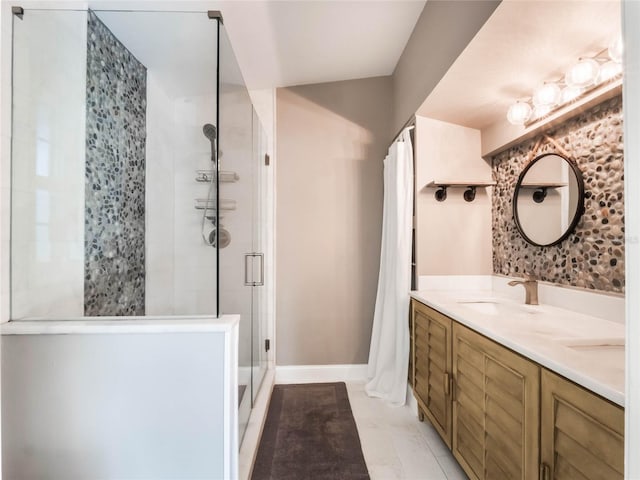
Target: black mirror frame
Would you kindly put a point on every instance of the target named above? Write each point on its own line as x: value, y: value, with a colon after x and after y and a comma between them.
x: 579, y: 208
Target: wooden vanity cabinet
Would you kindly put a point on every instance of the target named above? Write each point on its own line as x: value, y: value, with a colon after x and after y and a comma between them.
x: 582, y: 434
x: 496, y: 409
x: 505, y: 417
x: 431, y: 350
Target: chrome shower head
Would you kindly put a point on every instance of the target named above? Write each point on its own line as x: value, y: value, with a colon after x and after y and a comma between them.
x: 210, y: 131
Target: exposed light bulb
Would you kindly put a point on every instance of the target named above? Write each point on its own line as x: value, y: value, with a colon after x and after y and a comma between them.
x: 570, y: 93
x: 609, y: 70
x: 541, y: 111
x: 519, y: 113
x: 583, y: 73
x: 616, y: 49
x: 547, y: 94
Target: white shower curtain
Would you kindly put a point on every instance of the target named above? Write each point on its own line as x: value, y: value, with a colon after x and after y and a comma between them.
x: 389, y: 352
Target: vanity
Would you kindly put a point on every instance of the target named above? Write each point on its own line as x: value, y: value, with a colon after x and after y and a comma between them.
x: 519, y: 391
x: 515, y: 389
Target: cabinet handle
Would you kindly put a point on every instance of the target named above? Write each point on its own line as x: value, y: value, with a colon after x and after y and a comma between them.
x: 446, y: 384
x: 544, y: 471
x: 454, y: 389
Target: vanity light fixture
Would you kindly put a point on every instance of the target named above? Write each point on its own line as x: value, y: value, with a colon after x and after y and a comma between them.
x: 546, y: 95
x: 582, y: 74
x: 519, y: 113
x: 569, y: 94
x: 615, y: 49
x: 585, y: 75
x: 608, y: 71
x: 542, y: 111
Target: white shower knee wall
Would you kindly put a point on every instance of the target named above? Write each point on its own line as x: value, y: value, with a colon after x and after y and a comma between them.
x: 114, y: 406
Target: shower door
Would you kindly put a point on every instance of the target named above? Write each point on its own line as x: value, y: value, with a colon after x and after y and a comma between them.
x: 240, y: 204
x: 255, y: 259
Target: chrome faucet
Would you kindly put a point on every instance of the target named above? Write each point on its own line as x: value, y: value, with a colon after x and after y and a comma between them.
x: 530, y: 285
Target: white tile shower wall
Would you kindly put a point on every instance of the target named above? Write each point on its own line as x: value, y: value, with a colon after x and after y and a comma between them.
x: 160, y: 225
x: 48, y: 164
x: 194, y: 262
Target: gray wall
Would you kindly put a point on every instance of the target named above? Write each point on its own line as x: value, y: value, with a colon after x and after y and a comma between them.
x: 112, y: 406
x: 331, y: 141
x: 441, y: 33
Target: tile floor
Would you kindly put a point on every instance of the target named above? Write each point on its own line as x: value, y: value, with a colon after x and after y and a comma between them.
x: 396, y: 445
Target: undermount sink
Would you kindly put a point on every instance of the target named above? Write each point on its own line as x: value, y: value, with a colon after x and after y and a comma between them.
x: 600, y: 342
x: 604, y: 349
x: 492, y: 307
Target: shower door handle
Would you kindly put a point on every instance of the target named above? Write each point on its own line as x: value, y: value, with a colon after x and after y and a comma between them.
x: 261, y: 257
x: 247, y: 256
x: 248, y: 265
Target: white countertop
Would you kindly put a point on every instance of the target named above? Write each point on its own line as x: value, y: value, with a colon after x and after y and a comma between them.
x: 582, y: 348
x: 110, y: 325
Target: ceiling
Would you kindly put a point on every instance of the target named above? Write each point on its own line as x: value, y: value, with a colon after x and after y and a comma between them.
x: 284, y: 43
x: 178, y: 49
x: 521, y: 45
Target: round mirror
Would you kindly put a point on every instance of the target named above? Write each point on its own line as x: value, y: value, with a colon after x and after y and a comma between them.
x: 549, y: 199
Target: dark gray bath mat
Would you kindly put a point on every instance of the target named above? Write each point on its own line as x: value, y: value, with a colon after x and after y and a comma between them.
x: 310, y: 433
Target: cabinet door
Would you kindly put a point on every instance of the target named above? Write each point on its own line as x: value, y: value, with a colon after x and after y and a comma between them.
x: 495, y: 409
x: 432, y: 367
x: 582, y: 434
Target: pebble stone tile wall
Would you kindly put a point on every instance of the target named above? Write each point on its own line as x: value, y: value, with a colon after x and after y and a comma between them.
x: 593, y: 256
x: 114, y: 176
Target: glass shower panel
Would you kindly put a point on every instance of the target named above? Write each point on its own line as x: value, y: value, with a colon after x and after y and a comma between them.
x: 258, y: 328
x: 48, y: 156
x: 113, y: 165
x: 242, y: 149
x: 235, y: 160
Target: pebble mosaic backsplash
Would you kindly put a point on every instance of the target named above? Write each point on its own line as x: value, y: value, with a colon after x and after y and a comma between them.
x: 593, y: 256
x: 114, y: 177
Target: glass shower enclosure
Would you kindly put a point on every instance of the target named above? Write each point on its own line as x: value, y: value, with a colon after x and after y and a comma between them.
x: 136, y: 174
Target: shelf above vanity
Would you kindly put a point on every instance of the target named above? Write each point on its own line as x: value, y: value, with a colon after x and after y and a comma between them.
x: 434, y: 184
x: 469, y: 194
x: 537, y: 185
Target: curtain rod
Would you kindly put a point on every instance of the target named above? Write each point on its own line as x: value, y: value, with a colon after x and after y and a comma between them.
x: 410, y: 124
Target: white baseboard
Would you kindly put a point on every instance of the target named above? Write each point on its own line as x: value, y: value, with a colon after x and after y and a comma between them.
x: 320, y: 373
